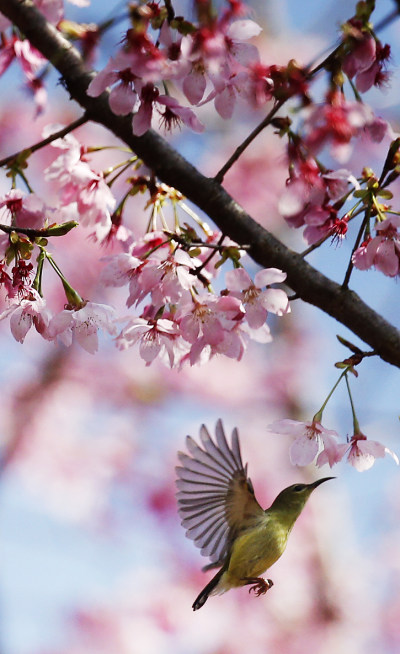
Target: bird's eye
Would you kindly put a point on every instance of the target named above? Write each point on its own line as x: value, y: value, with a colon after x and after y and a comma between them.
x: 298, y: 488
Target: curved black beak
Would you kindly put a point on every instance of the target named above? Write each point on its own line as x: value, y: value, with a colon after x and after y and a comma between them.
x: 320, y: 481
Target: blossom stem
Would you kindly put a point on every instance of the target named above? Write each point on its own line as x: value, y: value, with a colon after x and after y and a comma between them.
x: 381, y: 216
x: 349, y: 270
x: 356, y: 425
x: 318, y: 415
x: 242, y: 147
x: 204, y: 226
x: 37, y: 282
x: 73, y: 297
x: 176, y: 218
x: 123, y: 167
x: 210, y: 256
x: 354, y: 89
x: 163, y: 220
x: 24, y: 179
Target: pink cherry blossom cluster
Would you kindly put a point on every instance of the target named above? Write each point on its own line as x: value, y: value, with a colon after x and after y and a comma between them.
x: 311, y: 198
x: 80, y: 189
x: 26, y: 306
x: 181, y: 319
x: 367, y: 58
x: 313, y: 441
x: 210, y: 61
x: 315, y: 195
x: 31, y: 61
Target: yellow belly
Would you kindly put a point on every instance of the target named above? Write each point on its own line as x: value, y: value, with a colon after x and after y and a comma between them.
x: 253, y: 552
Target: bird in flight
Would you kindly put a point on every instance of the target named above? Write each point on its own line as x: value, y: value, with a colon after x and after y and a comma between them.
x: 221, y: 515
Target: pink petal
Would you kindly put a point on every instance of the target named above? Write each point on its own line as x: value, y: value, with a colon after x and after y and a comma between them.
x: 386, y: 259
x: 225, y: 102
x: 149, y: 349
x: 238, y: 279
x: 333, y: 452
x: 256, y: 314
x: 194, y: 86
x: 20, y: 324
x: 102, y: 80
x: 243, y: 30
x: 303, y: 451
x: 122, y: 99
x: 245, y: 53
x: 89, y: 341
x: 213, y: 331
x: 59, y: 323
x: 275, y: 300
x: 141, y: 121
x: 287, y: 426
x: 366, y: 78
x: 293, y: 199
x: 269, y: 276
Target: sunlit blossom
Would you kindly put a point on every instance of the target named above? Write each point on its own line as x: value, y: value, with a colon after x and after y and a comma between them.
x: 82, y: 325
x: 363, y: 452
x: 257, y: 302
x: 310, y: 438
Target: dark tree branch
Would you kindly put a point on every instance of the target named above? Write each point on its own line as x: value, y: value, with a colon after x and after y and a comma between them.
x: 342, y: 304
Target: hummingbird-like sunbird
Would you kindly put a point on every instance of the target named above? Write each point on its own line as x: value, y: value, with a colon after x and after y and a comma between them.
x: 221, y: 515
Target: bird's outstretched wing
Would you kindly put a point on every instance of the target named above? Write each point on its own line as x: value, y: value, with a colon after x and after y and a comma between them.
x: 215, y: 497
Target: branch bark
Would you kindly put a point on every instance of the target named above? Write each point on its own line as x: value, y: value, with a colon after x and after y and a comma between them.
x: 309, y: 284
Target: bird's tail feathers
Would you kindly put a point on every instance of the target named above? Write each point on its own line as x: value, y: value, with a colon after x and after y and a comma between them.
x: 210, y: 589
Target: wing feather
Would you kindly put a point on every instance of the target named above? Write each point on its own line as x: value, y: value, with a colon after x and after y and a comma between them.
x: 215, y: 497
x: 198, y: 466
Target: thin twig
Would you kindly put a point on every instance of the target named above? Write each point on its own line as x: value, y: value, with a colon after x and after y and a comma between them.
x: 350, y: 267
x: 210, y: 256
x: 242, y: 147
x: 49, y: 139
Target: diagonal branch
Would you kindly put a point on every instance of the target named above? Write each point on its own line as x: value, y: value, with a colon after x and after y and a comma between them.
x: 310, y: 285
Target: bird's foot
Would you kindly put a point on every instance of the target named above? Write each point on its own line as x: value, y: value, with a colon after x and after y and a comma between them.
x: 260, y: 585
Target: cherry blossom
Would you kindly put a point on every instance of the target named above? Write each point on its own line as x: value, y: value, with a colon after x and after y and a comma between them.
x: 25, y: 313
x: 174, y: 113
x: 30, y: 59
x: 77, y: 182
x: 209, y: 318
x: 308, y: 197
x: 229, y: 63
x: 120, y: 269
x: 257, y: 303
x: 382, y: 251
x: 22, y: 210
x: 366, y: 62
x: 167, y: 279
x: 211, y: 327
x: 118, y: 71
x: 155, y: 338
x: 336, y: 122
x: 310, y: 437
x: 82, y: 324
x: 363, y: 452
